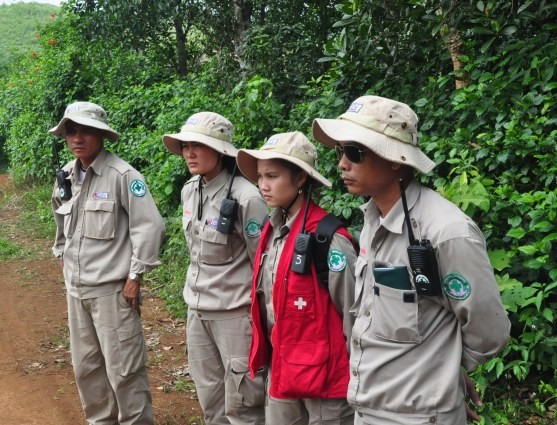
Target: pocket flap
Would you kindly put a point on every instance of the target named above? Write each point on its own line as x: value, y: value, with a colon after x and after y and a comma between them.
x: 305, y: 354
x: 96, y: 205
x: 211, y: 235
x: 128, y: 330
x: 64, y: 209
x: 239, y: 365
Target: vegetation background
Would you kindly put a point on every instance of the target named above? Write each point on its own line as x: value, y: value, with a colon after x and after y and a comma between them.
x: 480, y: 75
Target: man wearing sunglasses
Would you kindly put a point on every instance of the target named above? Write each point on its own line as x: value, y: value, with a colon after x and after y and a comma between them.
x: 426, y: 311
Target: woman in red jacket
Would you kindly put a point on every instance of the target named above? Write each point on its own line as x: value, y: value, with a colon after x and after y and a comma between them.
x: 301, y: 326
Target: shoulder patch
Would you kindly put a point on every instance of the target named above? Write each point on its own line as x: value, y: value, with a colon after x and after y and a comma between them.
x: 138, y: 188
x: 336, y: 260
x: 252, y: 228
x: 456, y: 286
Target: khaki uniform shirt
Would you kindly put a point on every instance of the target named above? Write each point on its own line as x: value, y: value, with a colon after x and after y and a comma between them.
x: 408, y: 350
x: 218, y: 281
x: 341, y: 283
x: 109, y: 228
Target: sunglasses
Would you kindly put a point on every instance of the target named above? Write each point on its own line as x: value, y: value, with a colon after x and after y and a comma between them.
x: 353, y: 153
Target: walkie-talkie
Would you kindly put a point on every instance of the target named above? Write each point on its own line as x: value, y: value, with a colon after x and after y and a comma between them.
x: 228, y: 209
x: 423, y: 262
x: 64, y: 185
x: 303, y: 248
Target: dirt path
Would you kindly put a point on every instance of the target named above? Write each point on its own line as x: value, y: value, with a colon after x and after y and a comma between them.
x: 36, y: 377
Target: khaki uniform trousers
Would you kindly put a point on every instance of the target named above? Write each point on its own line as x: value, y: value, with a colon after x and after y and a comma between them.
x: 307, y: 411
x: 108, y: 356
x: 218, y: 353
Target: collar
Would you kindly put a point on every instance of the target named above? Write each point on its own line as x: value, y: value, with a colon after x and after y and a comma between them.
x: 280, y: 226
x: 97, y: 165
x: 394, y: 220
x: 215, y: 185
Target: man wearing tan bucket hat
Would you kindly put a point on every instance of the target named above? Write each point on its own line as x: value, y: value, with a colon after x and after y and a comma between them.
x: 426, y: 311
x: 222, y: 216
x: 108, y: 234
x: 301, y: 326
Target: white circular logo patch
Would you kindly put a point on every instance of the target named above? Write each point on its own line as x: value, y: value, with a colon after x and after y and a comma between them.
x: 336, y: 260
x: 456, y: 286
x: 138, y: 188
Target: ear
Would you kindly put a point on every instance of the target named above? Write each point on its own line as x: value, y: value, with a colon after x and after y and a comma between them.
x: 395, y: 166
x: 302, y: 178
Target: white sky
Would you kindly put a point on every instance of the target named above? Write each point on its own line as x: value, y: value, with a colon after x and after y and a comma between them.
x: 55, y: 2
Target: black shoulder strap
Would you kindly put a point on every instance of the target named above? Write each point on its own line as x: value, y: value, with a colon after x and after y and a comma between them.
x: 324, y: 233
x: 264, y: 222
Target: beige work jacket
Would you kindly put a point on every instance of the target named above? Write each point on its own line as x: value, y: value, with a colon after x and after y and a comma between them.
x: 109, y: 228
x: 218, y: 281
x: 408, y: 350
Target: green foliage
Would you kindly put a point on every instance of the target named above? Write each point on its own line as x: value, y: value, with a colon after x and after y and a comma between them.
x: 18, y: 34
x: 494, y: 139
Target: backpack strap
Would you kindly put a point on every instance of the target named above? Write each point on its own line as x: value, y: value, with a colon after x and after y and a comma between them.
x: 324, y: 233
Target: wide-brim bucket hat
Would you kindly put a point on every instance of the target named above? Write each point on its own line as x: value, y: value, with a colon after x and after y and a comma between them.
x: 293, y: 147
x: 88, y: 114
x: 207, y: 128
x: 387, y: 127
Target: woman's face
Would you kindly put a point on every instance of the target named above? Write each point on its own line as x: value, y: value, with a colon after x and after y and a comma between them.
x: 278, y: 184
x: 201, y: 159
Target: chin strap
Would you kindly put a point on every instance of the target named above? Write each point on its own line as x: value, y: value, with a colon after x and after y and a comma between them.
x: 286, y: 210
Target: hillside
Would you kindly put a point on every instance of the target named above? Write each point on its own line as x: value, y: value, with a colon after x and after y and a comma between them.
x: 18, y: 28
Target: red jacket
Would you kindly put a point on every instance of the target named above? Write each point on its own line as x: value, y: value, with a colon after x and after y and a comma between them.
x: 308, y: 354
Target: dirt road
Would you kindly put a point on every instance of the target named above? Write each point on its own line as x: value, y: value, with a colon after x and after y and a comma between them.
x: 36, y: 377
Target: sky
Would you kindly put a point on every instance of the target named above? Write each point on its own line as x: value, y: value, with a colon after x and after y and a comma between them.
x: 55, y: 2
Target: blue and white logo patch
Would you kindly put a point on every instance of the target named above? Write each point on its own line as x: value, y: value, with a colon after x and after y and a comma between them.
x: 272, y: 141
x: 336, y: 260
x: 355, y: 107
x: 212, y: 222
x: 138, y: 188
x: 100, y: 195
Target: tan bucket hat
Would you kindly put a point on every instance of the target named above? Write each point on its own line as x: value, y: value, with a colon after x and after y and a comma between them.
x: 207, y: 128
x: 85, y: 113
x: 293, y: 147
x: 387, y: 127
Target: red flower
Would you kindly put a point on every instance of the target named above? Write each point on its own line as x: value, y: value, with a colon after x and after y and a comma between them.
x: 52, y: 41
x: 37, y: 35
x: 52, y: 15
x: 34, y: 54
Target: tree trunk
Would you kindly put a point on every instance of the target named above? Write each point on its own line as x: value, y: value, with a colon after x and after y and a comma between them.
x: 181, y: 47
x: 453, y: 41
x: 242, y: 16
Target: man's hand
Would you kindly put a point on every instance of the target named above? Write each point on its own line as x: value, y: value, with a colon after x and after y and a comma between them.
x: 131, y: 293
x: 471, y: 414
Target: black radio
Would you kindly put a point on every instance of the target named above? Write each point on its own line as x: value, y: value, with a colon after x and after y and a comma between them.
x: 228, y: 209
x: 64, y: 185
x: 422, y: 258
x: 303, y: 248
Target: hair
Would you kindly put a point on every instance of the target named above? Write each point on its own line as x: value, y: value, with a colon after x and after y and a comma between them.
x: 228, y: 163
x: 295, y: 171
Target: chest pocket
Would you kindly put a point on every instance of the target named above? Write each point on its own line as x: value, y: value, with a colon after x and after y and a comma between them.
x: 65, y: 210
x: 99, y: 220
x: 395, y: 314
x: 215, y: 247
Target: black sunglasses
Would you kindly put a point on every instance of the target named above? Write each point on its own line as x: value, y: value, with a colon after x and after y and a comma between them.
x: 353, y: 153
